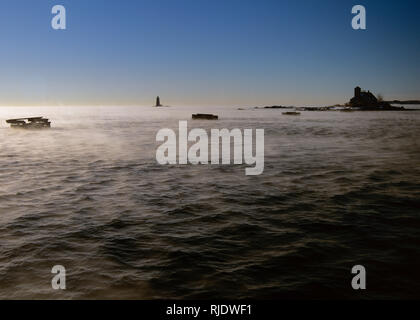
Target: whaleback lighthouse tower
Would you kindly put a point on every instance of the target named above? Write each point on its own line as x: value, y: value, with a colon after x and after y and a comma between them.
x: 158, y: 102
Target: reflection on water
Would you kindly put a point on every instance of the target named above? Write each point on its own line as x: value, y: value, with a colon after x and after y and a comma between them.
x: 338, y: 189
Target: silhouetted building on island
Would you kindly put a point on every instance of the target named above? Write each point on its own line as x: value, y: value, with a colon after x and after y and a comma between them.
x: 158, y: 102
x: 366, y: 100
x: 363, y: 99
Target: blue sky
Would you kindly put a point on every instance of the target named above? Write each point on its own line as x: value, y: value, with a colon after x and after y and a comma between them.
x: 206, y: 52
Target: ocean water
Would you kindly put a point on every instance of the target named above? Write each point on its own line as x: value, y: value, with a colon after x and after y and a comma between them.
x: 338, y: 189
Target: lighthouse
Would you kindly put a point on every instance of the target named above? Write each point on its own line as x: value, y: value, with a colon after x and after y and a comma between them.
x: 158, y: 102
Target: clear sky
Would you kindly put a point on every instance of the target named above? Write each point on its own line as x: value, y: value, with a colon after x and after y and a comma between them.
x: 206, y: 52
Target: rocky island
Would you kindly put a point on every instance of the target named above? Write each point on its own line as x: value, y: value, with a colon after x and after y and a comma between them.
x: 362, y: 101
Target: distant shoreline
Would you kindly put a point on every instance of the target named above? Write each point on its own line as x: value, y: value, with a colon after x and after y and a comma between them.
x: 335, y: 108
x: 403, y: 102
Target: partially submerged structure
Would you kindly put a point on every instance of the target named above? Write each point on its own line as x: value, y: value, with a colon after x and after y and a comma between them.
x: 204, y: 116
x: 30, y: 123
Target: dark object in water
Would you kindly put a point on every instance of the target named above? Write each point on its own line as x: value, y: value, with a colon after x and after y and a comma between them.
x: 30, y: 123
x: 204, y: 116
x: 291, y: 113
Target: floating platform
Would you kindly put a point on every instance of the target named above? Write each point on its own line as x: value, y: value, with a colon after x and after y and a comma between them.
x: 204, y: 116
x: 30, y: 123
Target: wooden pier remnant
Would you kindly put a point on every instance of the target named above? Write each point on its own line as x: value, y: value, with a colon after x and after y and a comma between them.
x: 30, y: 123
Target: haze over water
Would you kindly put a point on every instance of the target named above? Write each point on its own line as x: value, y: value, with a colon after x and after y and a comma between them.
x: 338, y: 189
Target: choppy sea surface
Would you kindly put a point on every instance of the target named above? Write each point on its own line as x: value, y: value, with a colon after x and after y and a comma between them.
x: 338, y: 189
